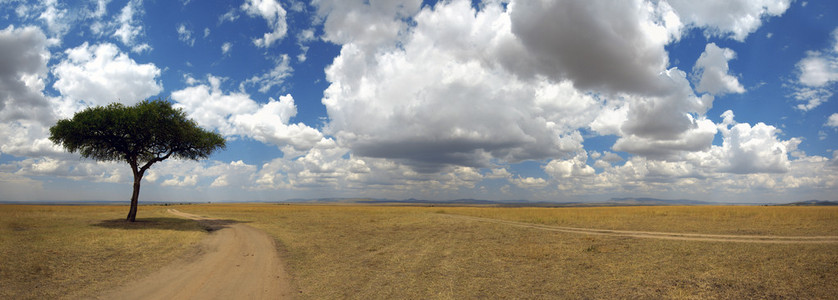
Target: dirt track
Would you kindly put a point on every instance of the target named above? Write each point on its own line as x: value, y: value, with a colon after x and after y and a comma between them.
x: 236, y: 262
x: 668, y: 235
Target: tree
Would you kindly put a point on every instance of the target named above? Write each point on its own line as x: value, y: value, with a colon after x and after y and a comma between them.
x: 148, y: 132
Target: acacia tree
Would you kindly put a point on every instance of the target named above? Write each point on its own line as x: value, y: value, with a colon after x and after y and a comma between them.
x: 143, y: 134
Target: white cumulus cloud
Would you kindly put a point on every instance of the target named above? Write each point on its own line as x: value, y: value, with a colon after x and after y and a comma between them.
x: 817, y: 74
x: 712, y: 70
x: 754, y: 149
x: 101, y: 74
x: 818, y: 69
x: 25, y: 113
x: 184, y: 181
x: 529, y: 182
x: 271, y: 124
x: 574, y: 167
x: 604, y: 45
x: 273, y: 13
x: 128, y: 26
x: 367, y: 24
x: 23, y: 71
x: 436, y: 102
x: 663, y: 126
x: 236, y: 114
x: 832, y: 121
x: 56, y: 17
x: 734, y: 18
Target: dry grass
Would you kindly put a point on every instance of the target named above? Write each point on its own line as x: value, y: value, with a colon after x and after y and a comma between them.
x: 379, y: 252
x: 376, y: 252
x: 71, y: 252
x: 749, y: 220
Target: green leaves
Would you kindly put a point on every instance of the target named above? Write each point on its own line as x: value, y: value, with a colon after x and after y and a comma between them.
x: 147, y: 132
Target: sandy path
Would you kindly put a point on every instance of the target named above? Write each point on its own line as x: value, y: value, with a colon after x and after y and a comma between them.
x: 774, y: 239
x: 236, y: 262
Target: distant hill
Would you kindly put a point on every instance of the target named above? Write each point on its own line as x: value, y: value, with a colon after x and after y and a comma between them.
x: 655, y: 201
x: 611, y: 202
x: 417, y: 201
x: 332, y: 200
x: 423, y: 202
x: 812, y: 203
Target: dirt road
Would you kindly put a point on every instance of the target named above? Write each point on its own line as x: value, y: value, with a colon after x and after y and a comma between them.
x: 236, y: 262
x: 773, y: 239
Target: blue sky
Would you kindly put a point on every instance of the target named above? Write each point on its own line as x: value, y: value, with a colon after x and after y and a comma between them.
x: 540, y: 100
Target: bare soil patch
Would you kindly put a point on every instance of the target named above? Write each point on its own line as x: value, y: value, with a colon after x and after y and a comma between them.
x: 235, y: 261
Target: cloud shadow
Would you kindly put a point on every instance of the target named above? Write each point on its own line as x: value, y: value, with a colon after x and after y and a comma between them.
x: 178, y: 224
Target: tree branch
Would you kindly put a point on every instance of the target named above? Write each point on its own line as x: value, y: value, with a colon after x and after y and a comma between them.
x: 156, y: 159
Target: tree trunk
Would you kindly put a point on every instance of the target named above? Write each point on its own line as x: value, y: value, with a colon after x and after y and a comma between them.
x: 132, y: 213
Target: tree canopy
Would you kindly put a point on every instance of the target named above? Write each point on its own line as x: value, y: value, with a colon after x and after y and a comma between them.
x: 148, y: 131
x: 141, y: 135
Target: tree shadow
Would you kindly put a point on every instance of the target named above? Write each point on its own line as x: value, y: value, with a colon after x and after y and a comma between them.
x: 178, y: 224
x: 211, y: 225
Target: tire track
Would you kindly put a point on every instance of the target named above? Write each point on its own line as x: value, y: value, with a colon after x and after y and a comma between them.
x: 768, y: 239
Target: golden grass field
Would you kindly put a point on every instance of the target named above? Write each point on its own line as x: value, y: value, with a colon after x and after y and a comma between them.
x: 385, y: 252
x: 72, y: 252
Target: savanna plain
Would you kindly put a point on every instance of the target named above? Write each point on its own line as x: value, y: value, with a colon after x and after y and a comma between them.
x: 398, y: 252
